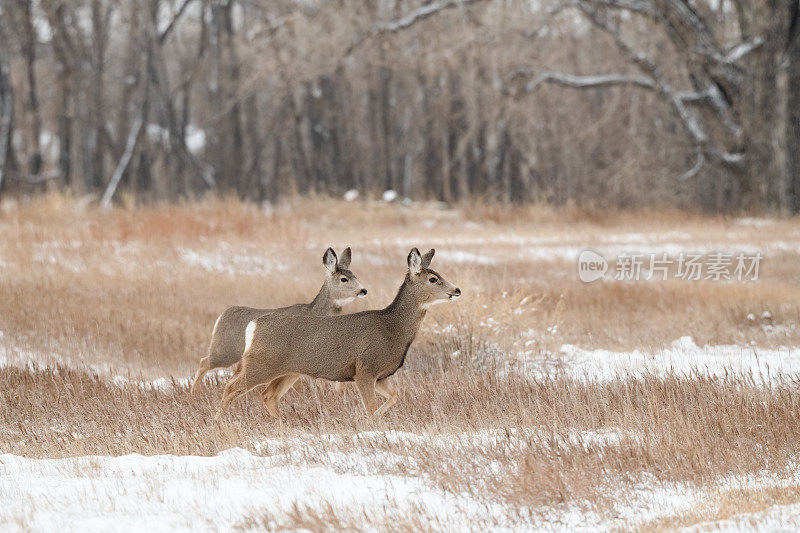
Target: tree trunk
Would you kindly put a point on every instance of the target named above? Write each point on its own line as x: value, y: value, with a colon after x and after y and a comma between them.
x: 32, y: 104
x: 6, y: 113
x: 96, y: 146
x: 792, y: 138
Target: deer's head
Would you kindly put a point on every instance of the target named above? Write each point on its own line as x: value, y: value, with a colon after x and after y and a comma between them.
x: 343, y: 286
x: 427, y: 285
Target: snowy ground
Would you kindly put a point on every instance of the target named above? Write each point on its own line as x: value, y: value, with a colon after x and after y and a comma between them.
x: 169, y: 493
x: 682, y: 358
x: 267, y: 482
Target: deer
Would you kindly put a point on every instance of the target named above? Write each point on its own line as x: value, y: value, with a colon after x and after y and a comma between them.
x: 368, y: 347
x: 228, y: 336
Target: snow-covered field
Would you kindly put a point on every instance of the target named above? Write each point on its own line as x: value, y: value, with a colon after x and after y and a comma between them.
x: 682, y: 358
x: 347, y: 475
x: 537, y: 402
x: 235, y: 487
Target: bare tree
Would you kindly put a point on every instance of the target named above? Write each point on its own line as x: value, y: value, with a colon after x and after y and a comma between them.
x: 601, y: 102
x: 6, y: 107
x: 729, y: 110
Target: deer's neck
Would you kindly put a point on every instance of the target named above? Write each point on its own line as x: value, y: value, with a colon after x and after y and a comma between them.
x: 405, y: 313
x: 323, y: 302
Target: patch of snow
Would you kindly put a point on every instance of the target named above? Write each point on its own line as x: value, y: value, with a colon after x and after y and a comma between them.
x: 774, y: 518
x: 36, y: 361
x: 223, y: 259
x: 755, y: 222
x: 647, y: 500
x: 457, y: 256
x: 683, y: 358
x: 780, y: 330
x: 481, y: 438
x: 389, y: 196
x: 156, y: 133
x: 187, y: 493
x: 345, y: 473
x: 351, y: 195
x: 195, y: 138
x: 564, y: 248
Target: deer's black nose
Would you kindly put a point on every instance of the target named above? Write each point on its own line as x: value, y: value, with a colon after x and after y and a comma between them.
x: 458, y: 291
x: 363, y: 292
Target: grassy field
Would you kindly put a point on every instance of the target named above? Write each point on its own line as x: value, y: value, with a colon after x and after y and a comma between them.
x: 535, y: 400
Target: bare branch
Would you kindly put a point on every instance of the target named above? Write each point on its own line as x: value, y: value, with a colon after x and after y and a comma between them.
x: 124, y: 161
x: 645, y: 64
x: 638, y: 6
x: 585, y: 82
x: 421, y: 13
x: 695, y: 170
x: 34, y: 180
x: 740, y: 50
x: 172, y: 23
x: 205, y: 172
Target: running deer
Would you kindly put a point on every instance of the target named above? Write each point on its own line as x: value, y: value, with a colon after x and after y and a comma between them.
x: 366, y: 347
x: 227, y: 339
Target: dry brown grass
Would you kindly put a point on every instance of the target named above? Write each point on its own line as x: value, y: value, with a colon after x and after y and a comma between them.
x: 676, y: 429
x: 134, y: 293
x: 113, y: 287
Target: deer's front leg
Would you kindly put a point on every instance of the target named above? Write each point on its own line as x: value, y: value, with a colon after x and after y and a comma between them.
x: 366, y: 386
x: 385, y: 389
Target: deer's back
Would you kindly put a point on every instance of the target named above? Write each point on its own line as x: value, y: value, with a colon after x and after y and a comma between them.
x: 329, y: 347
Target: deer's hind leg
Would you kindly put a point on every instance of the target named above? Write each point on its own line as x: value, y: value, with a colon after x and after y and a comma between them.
x: 246, y: 377
x: 204, y: 367
x: 275, y: 391
x: 387, y: 390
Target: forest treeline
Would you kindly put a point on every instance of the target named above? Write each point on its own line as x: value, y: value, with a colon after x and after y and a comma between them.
x: 623, y: 103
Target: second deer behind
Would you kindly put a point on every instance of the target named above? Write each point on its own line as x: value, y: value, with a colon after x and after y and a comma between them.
x: 366, y: 347
x: 227, y: 340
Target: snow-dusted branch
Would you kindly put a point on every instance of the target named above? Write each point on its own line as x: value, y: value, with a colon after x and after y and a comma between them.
x: 695, y: 170
x: 415, y: 16
x: 124, y: 161
x: 584, y: 82
x: 644, y: 7
x: 422, y: 13
x: 738, y: 51
x: 710, y: 95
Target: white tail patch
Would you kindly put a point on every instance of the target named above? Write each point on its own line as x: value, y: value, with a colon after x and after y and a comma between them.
x: 214, y: 331
x: 249, y: 333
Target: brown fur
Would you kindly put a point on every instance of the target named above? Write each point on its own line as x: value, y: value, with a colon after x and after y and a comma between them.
x: 367, y: 347
x: 227, y: 339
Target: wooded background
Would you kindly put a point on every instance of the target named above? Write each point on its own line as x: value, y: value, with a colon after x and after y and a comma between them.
x: 621, y: 103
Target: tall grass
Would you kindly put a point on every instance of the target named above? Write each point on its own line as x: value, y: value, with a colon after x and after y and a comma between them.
x: 90, y: 295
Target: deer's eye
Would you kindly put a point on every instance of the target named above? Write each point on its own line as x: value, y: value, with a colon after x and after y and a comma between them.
x: 433, y: 280
x: 343, y: 280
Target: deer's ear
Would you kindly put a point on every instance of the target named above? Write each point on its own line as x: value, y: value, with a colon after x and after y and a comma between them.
x: 329, y: 260
x: 426, y: 259
x: 344, y: 261
x: 414, y: 261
